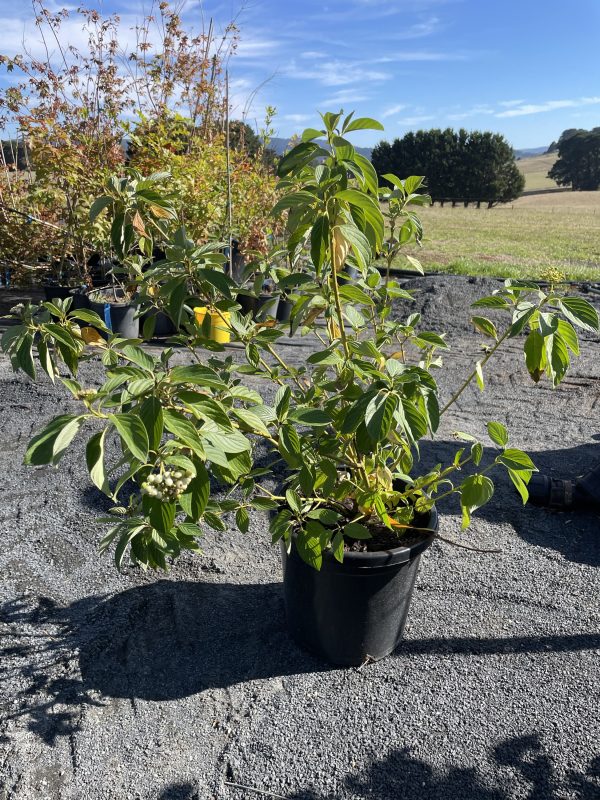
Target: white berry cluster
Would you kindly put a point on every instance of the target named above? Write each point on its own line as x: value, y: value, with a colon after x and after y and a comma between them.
x: 167, y: 485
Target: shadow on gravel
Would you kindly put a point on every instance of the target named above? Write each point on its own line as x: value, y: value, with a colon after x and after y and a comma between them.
x: 401, y: 776
x: 172, y: 639
x: 162, y: 641
x: 575, y: 535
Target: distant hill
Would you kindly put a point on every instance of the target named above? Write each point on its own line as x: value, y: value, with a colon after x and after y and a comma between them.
x: 535, y: 168
x: 280, y: 145
x: 531, y: 151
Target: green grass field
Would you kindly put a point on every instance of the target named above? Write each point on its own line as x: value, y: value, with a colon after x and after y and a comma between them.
x: 535, y: 170
x: 524, y: 239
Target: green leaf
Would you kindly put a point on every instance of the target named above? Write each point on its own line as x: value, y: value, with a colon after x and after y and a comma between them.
x: 520, y: 484
x: 364, y: 123
x: 282, y: 402
x: 162, y: 515
x: 139, y: 357
x: 567, y: 333
x: 313, y: 417
x: 195, y: 498
x: 242, y: 519
x: 475, y: 491
x: 151, y: 414
x: 485, y: 326
x: 580, y: 313
x: 293, y: 501
x: 49, y: 445
x: 94, y: 456
x: 359, y: 243
x: 310, y: 548
x: 517, y: 460
x: 497, y: 433
x: 264, y: 503
x: 298, y: 157
x: 184, y: 431
x: 197, y: 374
x: 477, y: 453
x: 379, y: 415
x: 337, y: 545
x: 521, y: 317
x: 132, y: 431
x: 354, y: 530
x: 491, y: 302
x: 535, y: 355
x: 24, y: 357
x: 99, y: 204
x: 326, y: 516
x: 479, y: 376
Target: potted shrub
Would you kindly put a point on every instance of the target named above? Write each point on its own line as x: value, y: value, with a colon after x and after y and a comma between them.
x: 139, y: 215
x: 354, y: 512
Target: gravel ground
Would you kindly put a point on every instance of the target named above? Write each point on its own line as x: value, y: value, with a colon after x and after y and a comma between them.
x: 144, y: 686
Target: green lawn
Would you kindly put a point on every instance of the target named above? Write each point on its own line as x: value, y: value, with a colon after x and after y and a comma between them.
x: 520, y: 240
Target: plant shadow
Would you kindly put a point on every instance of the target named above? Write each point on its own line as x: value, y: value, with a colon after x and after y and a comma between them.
x: 574, y: 534
x: 160, y: 642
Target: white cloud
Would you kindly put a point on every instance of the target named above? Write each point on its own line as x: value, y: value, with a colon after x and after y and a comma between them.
x: 312, y: 54
x: 475, y: 111
x: 337, y: 73
x: 548, y: 105
x: 510, y: 103
x: 345, y: 96
x: 416, y: 120
x: 297, y: 117
x: 392, y: 110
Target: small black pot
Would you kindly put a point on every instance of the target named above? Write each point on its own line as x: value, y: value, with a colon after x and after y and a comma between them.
x: 163, y: 326
x: 347, y: 613
x: 119, y: 317
x: 284, y: 310
x: 79, y: 299
x: 261, y: 307
x: 266, y: 306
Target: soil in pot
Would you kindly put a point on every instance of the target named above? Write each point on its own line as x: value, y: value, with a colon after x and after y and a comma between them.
x: 355, y: 611
x: 117, y: 311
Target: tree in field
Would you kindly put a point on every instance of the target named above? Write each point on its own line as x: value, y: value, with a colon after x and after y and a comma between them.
x: 578, y: 163
x: 458, y: 165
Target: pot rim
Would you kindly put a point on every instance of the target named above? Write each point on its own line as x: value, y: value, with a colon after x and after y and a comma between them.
x: 384, y: 558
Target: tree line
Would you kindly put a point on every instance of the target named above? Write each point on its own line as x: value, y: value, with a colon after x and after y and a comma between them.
x: 467, y: 166
x: 578, y: 162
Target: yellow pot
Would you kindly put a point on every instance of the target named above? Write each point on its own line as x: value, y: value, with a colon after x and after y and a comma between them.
x: 200, y: 312
x: 220, y: 330
x: 219, y: 323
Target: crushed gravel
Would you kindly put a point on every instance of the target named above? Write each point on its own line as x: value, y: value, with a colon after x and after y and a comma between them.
x: 188, y: 686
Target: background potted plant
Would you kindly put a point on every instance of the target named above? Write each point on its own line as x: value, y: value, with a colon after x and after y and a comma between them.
x: 139, y: 215
x: 346, y: 423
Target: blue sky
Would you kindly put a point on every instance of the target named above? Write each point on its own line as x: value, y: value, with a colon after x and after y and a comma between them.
x: 527, y: 69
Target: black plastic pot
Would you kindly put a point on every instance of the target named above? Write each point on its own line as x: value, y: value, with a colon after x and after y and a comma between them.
x: 119, y: 317
x: 261, y: 307
x: 163, y: 326
x: 79, y: 299
x: 350, y: 612
x: 284, y: 310
x: 266, y: 306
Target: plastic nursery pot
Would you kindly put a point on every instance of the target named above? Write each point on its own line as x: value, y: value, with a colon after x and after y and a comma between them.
x: 163, y: 325
x: 266, y: 306
x: 219, y: 328
x: 350, y: 612
x: 284, y: 310
x: 119, y: 315
x: 219, y: 321
x: 79, y: 299
x: 247, y: 303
